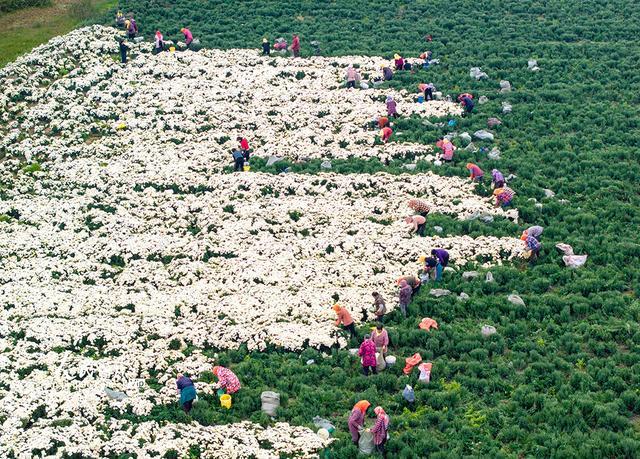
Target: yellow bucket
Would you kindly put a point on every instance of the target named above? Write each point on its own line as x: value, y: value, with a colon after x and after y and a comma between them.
x: 246, y: 168
x: 225, y: 401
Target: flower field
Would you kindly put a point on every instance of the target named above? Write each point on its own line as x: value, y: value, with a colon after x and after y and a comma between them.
x: 130, y: 253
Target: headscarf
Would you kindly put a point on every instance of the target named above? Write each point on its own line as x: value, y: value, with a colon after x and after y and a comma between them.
x: 470, y: 165
x: 524, y: 236
x: 445, y: 141
x: 336, y: 307
x: 264, y: 40
x: 396, y: 56
x: 350, y: 66
x: 403, y: 283
x: 389, y: 98
x: 362, y: 405
x: 182, y: 30
x: 422, y: 258
x: 215, y: 370
x: 497, y: 191
x: 381, y: 413
x: 158, y: 34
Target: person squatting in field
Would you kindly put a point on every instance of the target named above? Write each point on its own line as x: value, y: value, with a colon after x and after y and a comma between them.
x: 187, y: 392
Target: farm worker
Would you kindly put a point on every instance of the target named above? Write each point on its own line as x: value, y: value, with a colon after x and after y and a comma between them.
x: 295, y: 45
x: 367, y: 352
x: 503, y: 196
x: 392, y: 109
x: 159, y: 42
x: 352, y: 76
x: 420, y: 207
x: 123, y: 51
x: 188, y: 36
x: 404, y: 296
x: 466, y: 100
x: 133, y: 28
x: 497, y: 179
x: 244, y: 147
x: 227, y: 380
x: 447, y: 148
x: 442, y: 255
x: 380, y: 338
x: 534, y: 231
x: 385, y: 134
x: 266, y: 47
x: 379, y: 306
x: 187, y: 392
x: 238, y: 160
x: 428, y: 91
x: 413, y: 282
x: 345, y: 319
x: 534, y: 247
x: 380, y: 429
x: 356, y: 419
x: 418, y: 224
x: 387, y: 73
x: 475, y: 171
x: 383, y: 121
x: 398, y: 61
x: 119, y: 18
x: 427, y: 59
x: 433, y: 268
x: 407, y: 65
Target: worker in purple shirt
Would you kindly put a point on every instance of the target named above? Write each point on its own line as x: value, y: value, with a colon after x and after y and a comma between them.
x: 442, y: 255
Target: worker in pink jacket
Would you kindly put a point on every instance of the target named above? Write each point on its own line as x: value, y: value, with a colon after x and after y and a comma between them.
x: 368, y: 353
x: 188, y: 36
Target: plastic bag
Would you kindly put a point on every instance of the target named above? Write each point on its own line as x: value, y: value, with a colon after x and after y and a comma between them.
x: 488, y: 277
x: 532, y: 65
x: 494, y: 154
x: 438, y: 292
x: 115, y: 394
x: 483, y: 135
x: 493, y: 122
x: 483, y: 100
x: 323, y: 424
x: 515, y: 299
x: 365, y: 444
x: 564, y: 248
x: 270, y: 402
x: 505, y: 86
x: 465, y: 137
x: 477, y: 73
x: 488, y: 330
x: 506, y: 107
x: 408, y: 394
x: 470, y: 274
x: 574, y: 261
x: 425, y: 372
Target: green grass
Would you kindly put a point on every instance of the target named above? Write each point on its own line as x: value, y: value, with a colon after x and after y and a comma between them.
x: 22, y: 30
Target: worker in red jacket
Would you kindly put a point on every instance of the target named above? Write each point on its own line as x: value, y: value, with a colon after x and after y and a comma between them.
x: 295, y: 45
x: 244, y: 147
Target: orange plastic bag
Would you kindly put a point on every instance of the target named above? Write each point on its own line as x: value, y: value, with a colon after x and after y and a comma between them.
x: 411, y: 362
x: 428, y: 323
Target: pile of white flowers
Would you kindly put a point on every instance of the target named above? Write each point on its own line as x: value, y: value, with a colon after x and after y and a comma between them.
x: 131, y: 243
x: 194, y: 104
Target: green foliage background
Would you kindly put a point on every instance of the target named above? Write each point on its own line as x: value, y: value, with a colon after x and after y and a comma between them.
x: 561, y: 378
